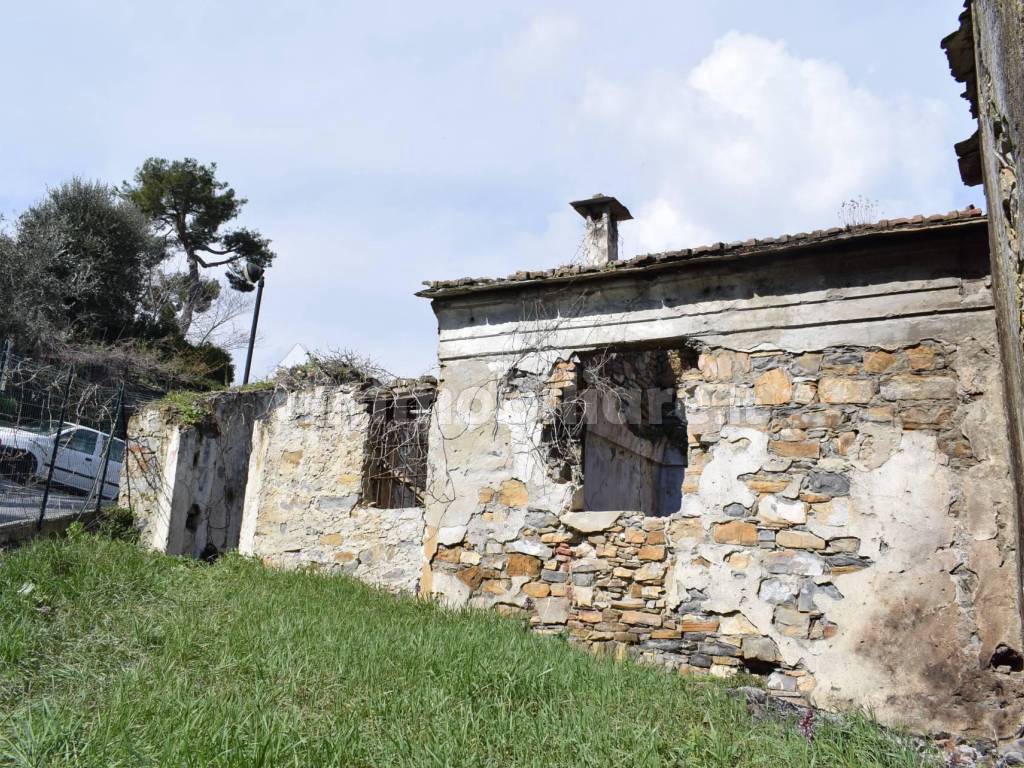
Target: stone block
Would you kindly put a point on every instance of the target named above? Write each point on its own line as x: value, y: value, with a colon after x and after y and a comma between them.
x: 922, y: 358
x: 523, y: 565
x: 881, y: 414
x: 776, y: 591
x: 807, y: 364
x: 773, y: 387
x: 736, y: 624
x: 590, y: 522
x: 795, y: 563
x: 878, y: 361
x: 827, y: 483
x: 448, y: 555
x: 781, y: 513
x: 791, y: 622
x: 552, y: 610
x: 911, y: 387
x: 735, y: 532
x: 649, y: 572
x: 718, y: 648
x: 849, y: 544
x: 767, y: 483
x: 927, y: 415
x: 804, y: 392
x: 641, y: 618
x: 471, y: 576
x: 590, y: 565
x: 634, y: 536
x: 698, y: 624
x: 841, y: 564
x: 536, y: 589
x: 836, y: 389
x: 822, y: 418
x: 809, y: 449
x: 651, y: 552
x: 495, y: 586
x: 759, y: 648
x: 686, y: 528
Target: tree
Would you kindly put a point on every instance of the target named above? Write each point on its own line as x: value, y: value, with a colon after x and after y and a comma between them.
x: 220, y: 323
x: 190, y: 209
x: 77, y: 266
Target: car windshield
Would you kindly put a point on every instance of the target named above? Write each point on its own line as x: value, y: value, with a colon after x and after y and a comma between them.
x: 50, y: 430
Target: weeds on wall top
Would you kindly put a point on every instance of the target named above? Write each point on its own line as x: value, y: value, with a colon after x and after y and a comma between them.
x: 195, y: 409
x: 333, y: 369
x: 187, y: 409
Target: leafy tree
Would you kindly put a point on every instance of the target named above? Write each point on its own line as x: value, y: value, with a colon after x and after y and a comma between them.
x: 191, y: 209
x: 77, y: 266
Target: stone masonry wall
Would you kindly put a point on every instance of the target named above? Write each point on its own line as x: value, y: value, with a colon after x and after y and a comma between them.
x: 845, y: 529
x: 302, y: 500
x: 185, y: 483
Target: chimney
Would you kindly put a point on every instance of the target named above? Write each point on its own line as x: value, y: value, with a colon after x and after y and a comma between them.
x: 602, y: 214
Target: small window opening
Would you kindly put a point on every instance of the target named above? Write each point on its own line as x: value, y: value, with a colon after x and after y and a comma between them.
x: 395, y: 468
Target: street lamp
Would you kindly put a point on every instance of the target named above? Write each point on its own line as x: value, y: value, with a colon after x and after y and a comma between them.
x: 254, y: 274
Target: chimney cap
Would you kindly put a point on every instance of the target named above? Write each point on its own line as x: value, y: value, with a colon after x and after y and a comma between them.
x: 593, y: 207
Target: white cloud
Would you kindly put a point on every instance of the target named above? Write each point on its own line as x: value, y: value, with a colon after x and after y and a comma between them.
x: 662, y: 225
x: 782, y: 139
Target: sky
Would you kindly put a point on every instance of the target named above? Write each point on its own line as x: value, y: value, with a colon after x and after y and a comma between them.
x: 384, y: 144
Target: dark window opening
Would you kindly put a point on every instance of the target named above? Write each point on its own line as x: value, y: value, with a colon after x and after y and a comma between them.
x: 634, y: 441
x: 395, y: 468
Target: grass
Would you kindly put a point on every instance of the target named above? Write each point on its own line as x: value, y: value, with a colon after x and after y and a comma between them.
x: 111, y: 656
x: 189, y: 409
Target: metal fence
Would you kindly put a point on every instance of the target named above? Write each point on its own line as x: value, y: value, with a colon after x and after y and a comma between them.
x: 62, y: 439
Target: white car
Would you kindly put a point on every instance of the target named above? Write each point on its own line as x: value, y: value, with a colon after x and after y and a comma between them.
x: 25, y: 456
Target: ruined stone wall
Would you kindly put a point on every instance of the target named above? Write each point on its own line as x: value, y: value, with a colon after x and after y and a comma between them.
x: 845, y: 523
x: 302, y: 500
x: 987, y: 53
x: 185, y: 483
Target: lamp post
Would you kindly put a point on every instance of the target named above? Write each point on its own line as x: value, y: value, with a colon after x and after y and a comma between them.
x: 254, y: 274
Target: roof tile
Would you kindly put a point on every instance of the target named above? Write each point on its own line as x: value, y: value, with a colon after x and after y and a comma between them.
x: 466, y: 284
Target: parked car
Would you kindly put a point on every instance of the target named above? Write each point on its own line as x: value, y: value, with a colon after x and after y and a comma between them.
x: 25, y: 456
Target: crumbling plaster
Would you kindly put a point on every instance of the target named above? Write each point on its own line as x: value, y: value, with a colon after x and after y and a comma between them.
x: 911, y: 617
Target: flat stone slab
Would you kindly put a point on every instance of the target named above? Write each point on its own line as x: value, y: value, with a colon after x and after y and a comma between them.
x: 590, y: 522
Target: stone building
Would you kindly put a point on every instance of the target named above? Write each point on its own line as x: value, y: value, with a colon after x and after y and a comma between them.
x: 784, y: 456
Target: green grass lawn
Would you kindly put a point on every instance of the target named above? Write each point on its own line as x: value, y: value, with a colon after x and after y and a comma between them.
x: 117, y: 657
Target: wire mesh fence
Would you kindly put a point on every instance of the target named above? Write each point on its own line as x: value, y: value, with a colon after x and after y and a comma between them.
x: 62, y: 439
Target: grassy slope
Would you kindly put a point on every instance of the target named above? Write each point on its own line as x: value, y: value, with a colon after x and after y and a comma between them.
x: 124, y: 658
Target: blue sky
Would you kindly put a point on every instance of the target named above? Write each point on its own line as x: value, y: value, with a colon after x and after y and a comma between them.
x: 385, y: 144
